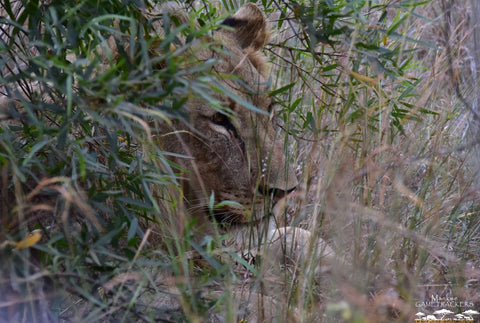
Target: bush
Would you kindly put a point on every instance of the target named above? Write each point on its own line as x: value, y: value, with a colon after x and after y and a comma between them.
x: 366, y: 105
x: 80, y: 162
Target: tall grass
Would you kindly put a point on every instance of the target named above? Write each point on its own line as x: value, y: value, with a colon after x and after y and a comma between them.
x: 375, y: 105
x: 380, y: 132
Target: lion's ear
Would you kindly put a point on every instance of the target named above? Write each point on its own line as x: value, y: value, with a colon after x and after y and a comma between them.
x: 250, y: 26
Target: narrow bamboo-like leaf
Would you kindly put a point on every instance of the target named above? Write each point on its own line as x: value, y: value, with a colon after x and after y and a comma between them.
x: 132, y: 229
x: 238, y: 99
x: 37, y: 147
x: 30, y: 240
x: 427, y: 111
x: 244, y: 263
x: 362, y: 78
x: 8, y: 9
x: 397, y: 21
x: 282, y: 89
x: 69, y: 90
x: 228, y: 203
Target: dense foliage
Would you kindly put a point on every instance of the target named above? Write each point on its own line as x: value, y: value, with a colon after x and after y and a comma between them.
x: 80, y: 170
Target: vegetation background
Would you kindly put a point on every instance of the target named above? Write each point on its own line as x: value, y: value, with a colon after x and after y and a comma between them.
x: 380, y: 109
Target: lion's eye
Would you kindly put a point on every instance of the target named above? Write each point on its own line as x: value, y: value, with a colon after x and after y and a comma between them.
x: 221, y: 120
x: 224, y: 125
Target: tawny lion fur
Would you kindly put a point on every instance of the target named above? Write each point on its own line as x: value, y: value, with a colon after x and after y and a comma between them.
x: 238, y: 155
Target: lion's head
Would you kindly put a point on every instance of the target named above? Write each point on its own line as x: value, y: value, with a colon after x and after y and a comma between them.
x: 236, y: 155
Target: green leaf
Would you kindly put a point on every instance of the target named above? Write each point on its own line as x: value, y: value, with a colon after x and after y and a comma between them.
x: 282, y: 89
x: 219, y: 87
x: 132, y: 230
x: 36, y: 148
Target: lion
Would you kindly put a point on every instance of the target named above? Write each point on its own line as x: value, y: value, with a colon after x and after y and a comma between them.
x: 237, y: 154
